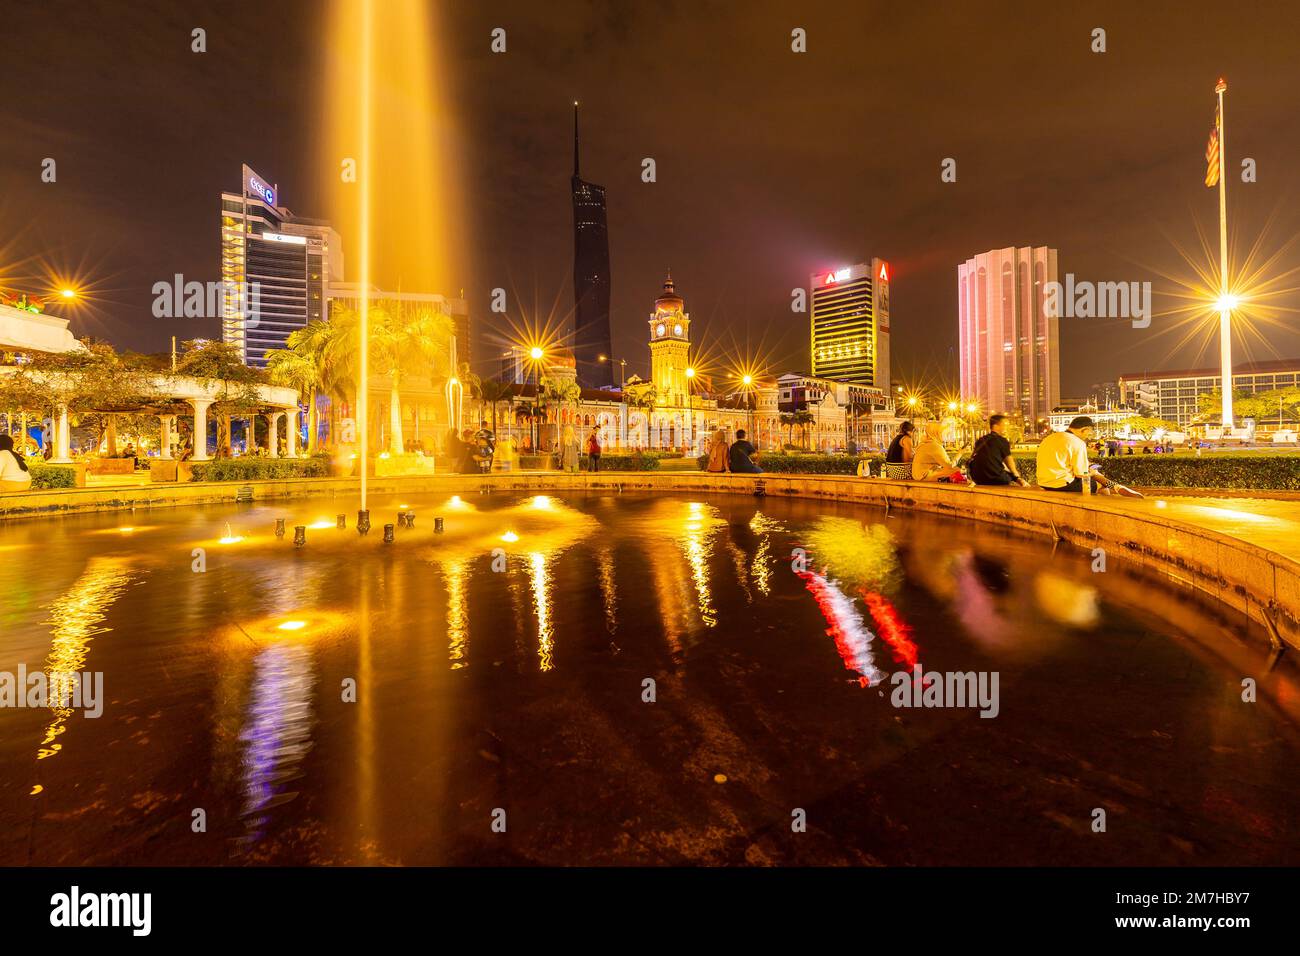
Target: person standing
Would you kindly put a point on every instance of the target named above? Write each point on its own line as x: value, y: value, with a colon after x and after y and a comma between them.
x: 717, y: 453
x: 741, y: 455
x: 14, y: 473
x: 991, y: 463
x: 506, y: 453
x: 569, y: 450
x: 593, y: 449
x: 486, y: 443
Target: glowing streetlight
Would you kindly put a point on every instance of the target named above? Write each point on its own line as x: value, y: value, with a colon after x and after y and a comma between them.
x: 690, y: 373
x: 1227, y: 302
x: 68, y: 293
x: 747, y: 380
x: 536, y: 353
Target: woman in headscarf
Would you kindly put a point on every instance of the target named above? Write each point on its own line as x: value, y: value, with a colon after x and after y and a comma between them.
x: 718, y: 452
x: 570, y: 451
x: 931, y: 462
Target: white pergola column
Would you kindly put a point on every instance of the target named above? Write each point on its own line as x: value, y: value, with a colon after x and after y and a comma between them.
x: 165, y: 451
x: 291, y: 435
x: 273, y: 434
x: 61, y: 435
x: 200, y: 407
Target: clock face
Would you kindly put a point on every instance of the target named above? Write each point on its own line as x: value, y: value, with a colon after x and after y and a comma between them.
x: 677, y: 330
x: 659, y: 329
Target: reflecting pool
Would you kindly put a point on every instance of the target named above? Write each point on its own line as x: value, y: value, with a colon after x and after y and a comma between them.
x: 619, y: 679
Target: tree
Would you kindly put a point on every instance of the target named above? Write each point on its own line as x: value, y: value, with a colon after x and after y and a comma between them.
x: 297, y: 370
x: 494, y: 393
x: 405, y: 342
x: 220, y: 362
x: 803, y: 418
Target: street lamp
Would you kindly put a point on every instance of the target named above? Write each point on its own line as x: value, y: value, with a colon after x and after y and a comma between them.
x: 536, y: 353
x: 622, y: 370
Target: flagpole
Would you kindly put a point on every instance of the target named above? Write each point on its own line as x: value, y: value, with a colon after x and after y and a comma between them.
x: 1225, y: 312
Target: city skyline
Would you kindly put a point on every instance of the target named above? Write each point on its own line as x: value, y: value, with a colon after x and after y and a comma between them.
x: 737, y: 210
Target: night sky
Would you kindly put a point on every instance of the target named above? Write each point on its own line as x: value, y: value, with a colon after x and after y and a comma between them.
x: 770, y: 164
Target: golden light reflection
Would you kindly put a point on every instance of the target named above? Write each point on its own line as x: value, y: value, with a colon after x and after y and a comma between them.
x: 541, y: 581
x: 455, y: 574
x: 299, y: 625
x: 510, y: 536
x: 761, y: 567
x: 855, y: 554
x: 605, y: 562
x: 75, y: 618
x: 1066, y: 601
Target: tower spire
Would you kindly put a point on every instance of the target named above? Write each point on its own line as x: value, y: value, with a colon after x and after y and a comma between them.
x: 575, y: 139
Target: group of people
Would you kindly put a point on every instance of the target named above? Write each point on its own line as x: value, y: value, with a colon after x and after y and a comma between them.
x: 1061, y: 463
x: 739, y: 457
x: 479, y: 452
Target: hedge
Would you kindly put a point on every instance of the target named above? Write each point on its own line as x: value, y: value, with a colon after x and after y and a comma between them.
x: 52, y: 476
x: 809, y: 464
x: 641, y: 462
x: 1226, y: 470
x: 256, y: 469
x: 1229, y: 470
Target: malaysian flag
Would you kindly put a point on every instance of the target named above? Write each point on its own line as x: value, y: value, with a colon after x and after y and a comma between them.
x: 1212, y: 153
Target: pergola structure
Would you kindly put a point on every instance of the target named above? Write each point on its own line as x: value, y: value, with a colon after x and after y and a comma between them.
x: 23, y: 331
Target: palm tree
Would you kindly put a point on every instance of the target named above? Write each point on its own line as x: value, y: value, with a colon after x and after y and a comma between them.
x: 493, y: 393
x: 409, y: 341
x: 332, y: 348
x: 803, y: 419
x: 297, y: 370
x: 787, y: 419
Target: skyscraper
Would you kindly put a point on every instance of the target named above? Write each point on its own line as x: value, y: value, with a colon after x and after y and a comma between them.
x: 590, y: 278
x: 850, y: 324
x: 283, y: 261
x: 1010, y: 358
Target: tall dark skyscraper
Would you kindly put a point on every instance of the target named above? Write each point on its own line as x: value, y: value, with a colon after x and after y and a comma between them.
x: 590, y: 279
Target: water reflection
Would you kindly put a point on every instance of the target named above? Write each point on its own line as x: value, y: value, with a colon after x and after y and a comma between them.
x: 761, y: 567
x: 75, y: 618
x: 846, y: 627
x: 454, y: 576
x: 541, y: 581
x: 277, y: 732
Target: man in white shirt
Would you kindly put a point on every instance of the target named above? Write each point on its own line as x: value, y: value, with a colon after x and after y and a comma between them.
x: 1062, y: 463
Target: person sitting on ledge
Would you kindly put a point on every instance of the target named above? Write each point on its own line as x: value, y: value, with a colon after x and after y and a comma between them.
x: 991, y: 463
x: 1062, y: 463
x: 741, y: 456
x: 898, y: 460
x: 14, y: 474
x: 931, y: 462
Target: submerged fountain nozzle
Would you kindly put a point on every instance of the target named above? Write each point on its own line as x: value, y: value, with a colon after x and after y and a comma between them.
x: 388, y: 533
x: 363, y: 522
x: 342, y: 522
x: 437, y: 526
x: 279, y: 527
x: 299, y: 535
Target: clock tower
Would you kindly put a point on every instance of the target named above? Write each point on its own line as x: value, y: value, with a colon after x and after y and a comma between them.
x: 670, y: 348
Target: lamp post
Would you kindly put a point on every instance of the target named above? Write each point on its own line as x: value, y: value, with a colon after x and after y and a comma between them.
x: 536, y: 353
x: 622, y: 370
x: 690, y: 409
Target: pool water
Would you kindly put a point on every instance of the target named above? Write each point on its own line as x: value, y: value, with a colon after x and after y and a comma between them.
x: 619, y: 679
